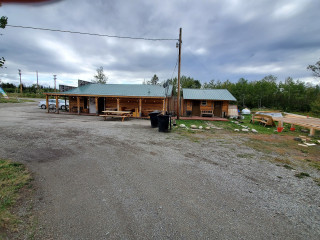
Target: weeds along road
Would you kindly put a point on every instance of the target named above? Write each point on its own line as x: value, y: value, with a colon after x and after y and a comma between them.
x: 124, y: 180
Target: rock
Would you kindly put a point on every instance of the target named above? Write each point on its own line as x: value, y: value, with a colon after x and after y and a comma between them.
x: 253, y: 130
x: 236, y: 122
x: 297, y: 139
x: 219, y: 128
x: 304, y: 130
x: 237, y: 130
x: 182, y: 125
x: 200, y: 127
x: 207, y: 128
x: 244, y: 130
x: 194, y: 127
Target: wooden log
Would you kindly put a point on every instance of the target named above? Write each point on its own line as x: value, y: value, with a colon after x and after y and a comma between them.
x: 118, y: 104
x: 312, y: 131
x: 140, y: 107
x: 97, y: 106
x: 78, y: 105
x: 47, y: 103
x: 57, y: 105
x: 163, y: 106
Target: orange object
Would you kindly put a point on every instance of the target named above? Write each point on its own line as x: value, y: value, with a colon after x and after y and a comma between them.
x: 280, y: 129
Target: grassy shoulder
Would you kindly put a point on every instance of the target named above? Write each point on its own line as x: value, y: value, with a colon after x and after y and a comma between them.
x: 14, y: 177
x: 14, y: 100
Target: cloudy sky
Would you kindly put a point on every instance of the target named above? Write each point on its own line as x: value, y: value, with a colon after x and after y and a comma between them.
x: 222, y: 40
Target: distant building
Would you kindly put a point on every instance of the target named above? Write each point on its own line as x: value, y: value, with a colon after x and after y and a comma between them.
x: 64, y: 88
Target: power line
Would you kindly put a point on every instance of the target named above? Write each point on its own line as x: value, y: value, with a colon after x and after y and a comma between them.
x: 94, y: 34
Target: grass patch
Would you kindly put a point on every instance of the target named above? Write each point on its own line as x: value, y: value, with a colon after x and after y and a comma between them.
x: 13, y: 177
x: 317, y: 180
x: 288, y: 167
x: 282, y: 160
x: 14, y: 100
x: 245, y: 155
x: 302, y: 175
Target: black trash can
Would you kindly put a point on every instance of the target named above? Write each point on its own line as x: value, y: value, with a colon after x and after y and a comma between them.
x: 163, y: 122
x: 154, y: 118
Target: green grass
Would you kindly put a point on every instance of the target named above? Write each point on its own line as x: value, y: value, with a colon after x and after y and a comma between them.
x: 230, y: 125
x: 245, y: 155
x: 288, y: 167
x: 13, y: 177
x: 14, y: 100
x: 302, y: 175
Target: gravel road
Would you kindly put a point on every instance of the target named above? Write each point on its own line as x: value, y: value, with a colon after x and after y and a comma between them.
x: 124, y: 180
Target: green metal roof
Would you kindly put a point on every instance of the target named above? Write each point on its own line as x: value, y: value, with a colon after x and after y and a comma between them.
x: 207, y: 94
x: 127, y: 90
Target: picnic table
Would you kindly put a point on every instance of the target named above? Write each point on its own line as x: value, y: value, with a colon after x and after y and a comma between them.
x: 116, y: 114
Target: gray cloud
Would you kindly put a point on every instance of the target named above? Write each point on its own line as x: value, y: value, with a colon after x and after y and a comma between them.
x: 221, y: 39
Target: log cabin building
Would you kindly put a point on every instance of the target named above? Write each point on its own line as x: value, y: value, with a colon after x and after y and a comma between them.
x: 206, y: 102
x: 140, y: 99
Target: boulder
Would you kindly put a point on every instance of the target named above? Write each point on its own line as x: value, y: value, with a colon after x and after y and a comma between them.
x: 200, y: 127
x: 207, y: 128
x: 244, y: 130
x: 194, y: 127
x: 237, y: 130
x: 182, y: 125
x: 254, y: 131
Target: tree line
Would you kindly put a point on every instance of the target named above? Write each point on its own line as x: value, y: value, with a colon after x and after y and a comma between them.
x: 288, y: 95
x: 28, y: 91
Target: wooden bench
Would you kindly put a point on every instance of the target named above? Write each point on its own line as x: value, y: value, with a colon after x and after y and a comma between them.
x: 114, y: 116
x: 207, y: 112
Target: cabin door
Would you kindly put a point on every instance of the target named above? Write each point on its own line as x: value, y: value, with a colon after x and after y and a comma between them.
x: 195, y: 108
x: 101, y: 106
x: 92, y: 105
x: 217, y: 109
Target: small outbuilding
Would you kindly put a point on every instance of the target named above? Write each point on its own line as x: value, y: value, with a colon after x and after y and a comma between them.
x: 140, y: 99
x: 206, y: 102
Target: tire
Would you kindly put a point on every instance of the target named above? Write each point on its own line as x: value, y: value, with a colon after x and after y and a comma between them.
x: 63, y: 107
x: 43, y: 106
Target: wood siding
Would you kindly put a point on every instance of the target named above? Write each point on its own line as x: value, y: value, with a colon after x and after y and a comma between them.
x: 208, y: 107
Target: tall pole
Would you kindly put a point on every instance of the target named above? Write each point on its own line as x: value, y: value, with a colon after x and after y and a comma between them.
x: 55, y: 81
x: 20, y: 81
x: 37, y: 82
x: 179, y: 68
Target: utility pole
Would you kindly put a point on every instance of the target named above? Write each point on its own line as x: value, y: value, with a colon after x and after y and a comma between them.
x: 179, y: 68
x: 37, y: 83
x: 20, y: 81
x: 55, y: 81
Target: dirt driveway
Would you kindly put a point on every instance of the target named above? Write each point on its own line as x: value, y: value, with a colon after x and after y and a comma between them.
x: 124, y: 180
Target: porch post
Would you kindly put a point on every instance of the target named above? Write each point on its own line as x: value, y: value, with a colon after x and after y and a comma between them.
x: 163, y: 105
x: 97, y: 106
x: 47, y: 103
x: 78, y: 105
x: 140, y: 107
x: 57, y: 105
x: 118, y: 104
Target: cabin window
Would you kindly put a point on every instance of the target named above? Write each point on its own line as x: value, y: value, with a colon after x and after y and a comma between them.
x: 204, y: 102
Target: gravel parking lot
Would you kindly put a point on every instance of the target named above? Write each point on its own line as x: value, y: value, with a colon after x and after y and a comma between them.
x: 124, y: 180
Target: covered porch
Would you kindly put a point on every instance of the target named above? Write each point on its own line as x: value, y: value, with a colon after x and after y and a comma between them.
x: 95, y: 105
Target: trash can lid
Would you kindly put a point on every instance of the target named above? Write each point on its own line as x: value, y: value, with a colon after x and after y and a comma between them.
x: 156, y: 111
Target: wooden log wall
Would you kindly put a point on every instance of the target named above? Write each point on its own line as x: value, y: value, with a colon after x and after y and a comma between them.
x: 225, y: 106
x: 111, y: 102
x: 209, y: 106
x: 150, y: 105
x: 73, y: 105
